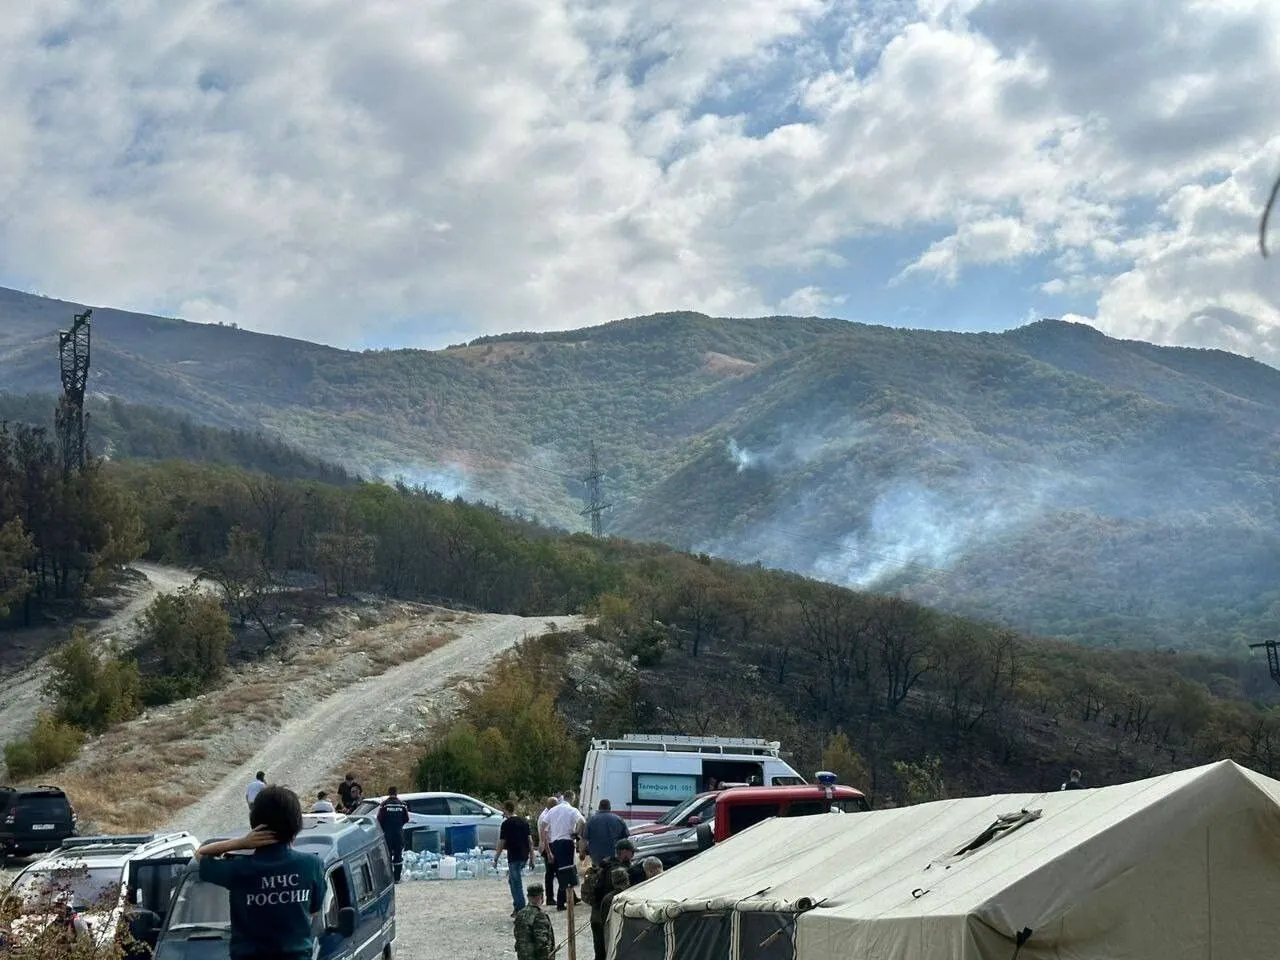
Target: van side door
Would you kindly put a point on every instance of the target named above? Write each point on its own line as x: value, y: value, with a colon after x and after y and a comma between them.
x: 372, y: 909
x: 338, y: 895
x: 149, y: 888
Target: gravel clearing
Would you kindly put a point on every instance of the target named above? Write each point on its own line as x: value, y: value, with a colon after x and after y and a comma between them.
x: 470, y: 920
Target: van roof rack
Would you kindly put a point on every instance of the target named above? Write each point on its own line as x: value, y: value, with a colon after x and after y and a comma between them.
x: 753, y: 746
x: 125, y: 840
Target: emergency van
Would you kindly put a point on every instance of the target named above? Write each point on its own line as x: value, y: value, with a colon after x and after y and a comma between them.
x: 645, y: 776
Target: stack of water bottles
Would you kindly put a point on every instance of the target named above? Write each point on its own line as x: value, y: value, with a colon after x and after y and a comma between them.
x: 473, y: 864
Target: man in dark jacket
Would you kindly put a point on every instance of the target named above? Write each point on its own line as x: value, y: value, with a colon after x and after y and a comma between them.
x: 604, y: 829
x: 623, y: 860
x: 392, y: 817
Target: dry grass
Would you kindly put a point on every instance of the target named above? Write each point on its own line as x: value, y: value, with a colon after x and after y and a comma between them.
x: 128, y: 794
x: 386, y: 656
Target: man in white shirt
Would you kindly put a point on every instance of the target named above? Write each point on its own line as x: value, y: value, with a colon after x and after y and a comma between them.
x: 544, y: 848
x: 323, y: 804
x: 256, y: 786
x: 563, y: 821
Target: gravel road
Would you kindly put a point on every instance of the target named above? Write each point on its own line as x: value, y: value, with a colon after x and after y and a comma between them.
x: 338, y: 727
x: 20, y: 693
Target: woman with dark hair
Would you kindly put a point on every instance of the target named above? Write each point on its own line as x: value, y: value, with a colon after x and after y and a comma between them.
x: 276, y: 891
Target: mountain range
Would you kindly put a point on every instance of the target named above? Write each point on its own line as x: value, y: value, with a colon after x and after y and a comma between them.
x: 1106, y: 491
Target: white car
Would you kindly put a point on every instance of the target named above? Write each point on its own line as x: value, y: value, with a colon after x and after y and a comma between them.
x: 95, y: 878
x: 443, y: 810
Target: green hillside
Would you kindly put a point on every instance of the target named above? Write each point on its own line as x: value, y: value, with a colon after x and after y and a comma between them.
x: 1106, y: 491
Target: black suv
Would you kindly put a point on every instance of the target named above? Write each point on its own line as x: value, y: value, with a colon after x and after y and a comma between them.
x: 34, y: 820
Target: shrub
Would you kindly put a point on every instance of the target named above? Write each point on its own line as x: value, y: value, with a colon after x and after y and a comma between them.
x: 921, y: 782
x: 508, y: 738
x: 183, y: 649
x: 92, y: 692
x: 847, y: 764
x: 51, y: 744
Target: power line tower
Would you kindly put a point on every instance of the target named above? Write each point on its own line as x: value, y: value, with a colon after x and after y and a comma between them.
x: 73, y: 353
x: 595, y: 496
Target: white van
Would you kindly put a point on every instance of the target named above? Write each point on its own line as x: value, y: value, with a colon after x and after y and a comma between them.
x: 645, y: 775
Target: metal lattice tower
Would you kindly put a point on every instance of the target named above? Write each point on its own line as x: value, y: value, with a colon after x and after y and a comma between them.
x: 595, y: 495
x: 73, y: 353
x: 1273, y: 657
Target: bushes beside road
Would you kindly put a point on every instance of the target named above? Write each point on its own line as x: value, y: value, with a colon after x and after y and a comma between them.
x: 181, y: 650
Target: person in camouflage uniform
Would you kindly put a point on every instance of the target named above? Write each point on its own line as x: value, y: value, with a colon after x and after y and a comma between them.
x: 535, y: 939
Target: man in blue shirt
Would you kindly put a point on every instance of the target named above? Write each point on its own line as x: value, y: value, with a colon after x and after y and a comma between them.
x: 276, y: 892
x: 604, y: 829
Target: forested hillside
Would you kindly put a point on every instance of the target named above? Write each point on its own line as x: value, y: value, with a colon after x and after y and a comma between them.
x: 717, y: 647
x: 1110, y: 492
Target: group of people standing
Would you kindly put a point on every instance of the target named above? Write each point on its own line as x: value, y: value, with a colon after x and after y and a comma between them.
x: 350, y: 795
x: 392, y: 813
x: 565, y: 839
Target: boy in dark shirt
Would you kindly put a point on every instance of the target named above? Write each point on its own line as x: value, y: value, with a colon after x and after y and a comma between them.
x: 276, y: 892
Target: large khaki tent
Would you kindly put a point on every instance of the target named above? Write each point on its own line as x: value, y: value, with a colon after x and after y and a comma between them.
x: 1180, y: 866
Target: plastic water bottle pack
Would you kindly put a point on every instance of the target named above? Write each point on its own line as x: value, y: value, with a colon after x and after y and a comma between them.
x: 473, y: 864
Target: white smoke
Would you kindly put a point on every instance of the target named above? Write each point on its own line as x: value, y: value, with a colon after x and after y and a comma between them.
x: 797, y: 447
x: 449, y: 481
x: 913, y: 530
x: 742, y: 457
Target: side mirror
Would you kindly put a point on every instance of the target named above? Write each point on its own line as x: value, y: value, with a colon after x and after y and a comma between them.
x: 347, y: 921
x: 706, y: 839
x: 694, y: 820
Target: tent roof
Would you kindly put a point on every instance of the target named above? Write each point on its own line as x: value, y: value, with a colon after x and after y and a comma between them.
x: 906, y: 862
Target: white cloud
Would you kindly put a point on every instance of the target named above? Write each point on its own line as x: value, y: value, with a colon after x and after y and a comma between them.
x: 999, y: 240
x: 325, y: 168
x: 809, y: 301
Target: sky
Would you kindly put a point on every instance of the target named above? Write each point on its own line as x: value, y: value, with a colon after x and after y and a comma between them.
x: 421, y: 172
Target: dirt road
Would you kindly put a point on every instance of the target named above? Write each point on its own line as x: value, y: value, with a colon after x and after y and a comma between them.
x: 310, y: 745
x: 20, y: 696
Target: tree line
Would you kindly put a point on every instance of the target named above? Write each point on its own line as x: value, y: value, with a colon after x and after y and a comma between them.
x: 700, y: 646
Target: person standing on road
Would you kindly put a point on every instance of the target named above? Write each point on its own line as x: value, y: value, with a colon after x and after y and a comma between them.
x: 344, y: 791
x: 393, y: 814
x: 516, y: 839
x: 544, y: 847
x: 256, y: 786
x: 1073, y: 781
x: 563, y: 822
x: 535, y: 937
x: 603, y: 831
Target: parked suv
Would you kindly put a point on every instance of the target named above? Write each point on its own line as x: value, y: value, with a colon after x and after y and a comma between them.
x: 442, y: 810
x: 94, y: 878
x: 34, y: 820
x: 738, y: 808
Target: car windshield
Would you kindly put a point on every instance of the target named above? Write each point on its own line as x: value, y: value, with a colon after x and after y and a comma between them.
x: 848, y: 806
x: 83, y: 887
x: 200, y: 905
x: 366, y: 806
x: 676, y: 814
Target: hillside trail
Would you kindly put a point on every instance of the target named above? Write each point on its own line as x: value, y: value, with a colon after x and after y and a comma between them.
x: 20, y: 693
x: 303, y: 751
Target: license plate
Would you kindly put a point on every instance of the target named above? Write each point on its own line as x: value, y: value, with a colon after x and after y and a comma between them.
x: 44, y: 826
